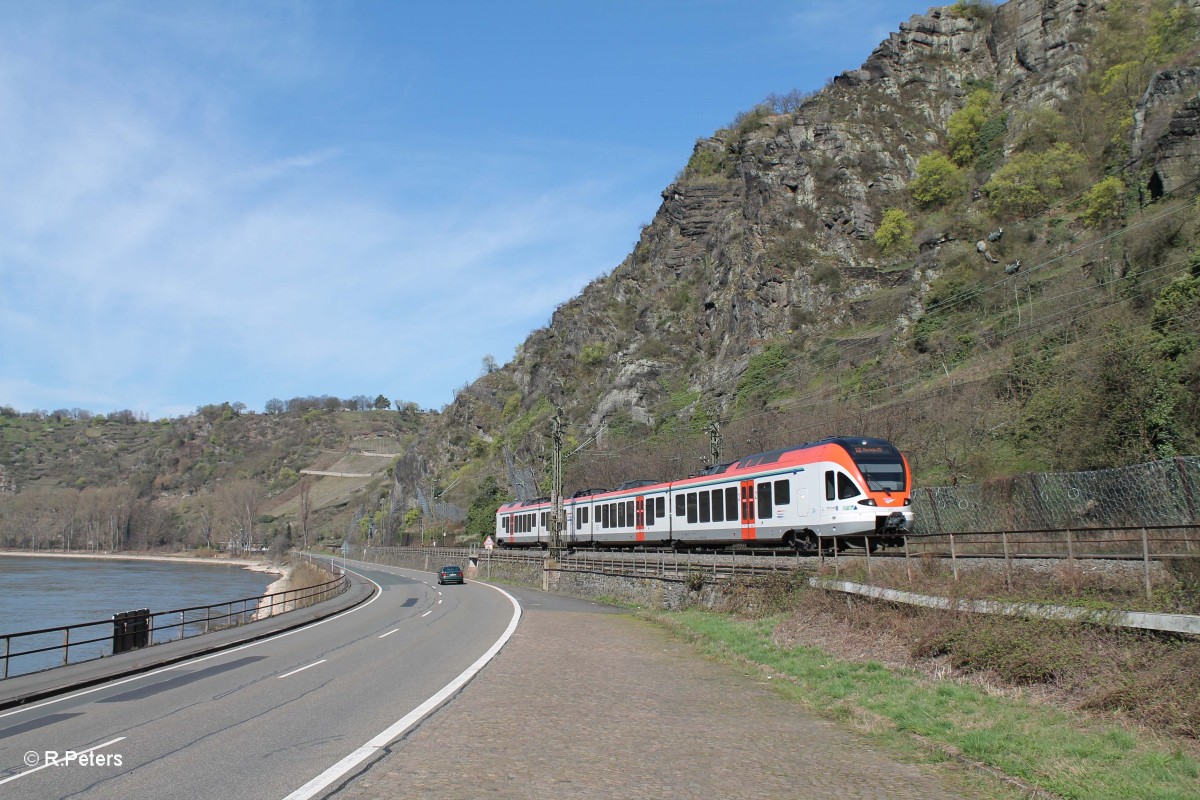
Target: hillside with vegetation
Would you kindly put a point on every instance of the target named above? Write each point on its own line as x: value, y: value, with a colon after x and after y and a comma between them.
x: 223, y: 477
x: 981, y: 244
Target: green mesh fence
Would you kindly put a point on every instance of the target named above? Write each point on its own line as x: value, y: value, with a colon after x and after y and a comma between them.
x: 1155, y: 494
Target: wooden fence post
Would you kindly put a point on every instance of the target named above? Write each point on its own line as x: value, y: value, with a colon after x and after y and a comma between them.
x: 907, y: 563
x: 953, y: 558
x: 1007, y: 563
x: 1146, y: 561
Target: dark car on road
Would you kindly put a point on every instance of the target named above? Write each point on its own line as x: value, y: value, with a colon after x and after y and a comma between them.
x: 451, y: 575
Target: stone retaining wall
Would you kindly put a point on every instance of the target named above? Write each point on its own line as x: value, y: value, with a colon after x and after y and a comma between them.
x: 668, y: 592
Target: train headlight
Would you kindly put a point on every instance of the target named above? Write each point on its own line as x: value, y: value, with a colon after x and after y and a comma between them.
x: 908, y: 501
x: 867, y: 502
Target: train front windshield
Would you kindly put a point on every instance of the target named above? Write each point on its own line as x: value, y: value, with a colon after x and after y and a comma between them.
x: 881, y: 465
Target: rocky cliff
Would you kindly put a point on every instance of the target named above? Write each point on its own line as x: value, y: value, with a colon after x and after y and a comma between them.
x: 767, y: 237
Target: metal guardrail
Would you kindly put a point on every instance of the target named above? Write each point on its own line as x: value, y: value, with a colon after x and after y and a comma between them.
x: 1147, y: 544
x: 130, y: 630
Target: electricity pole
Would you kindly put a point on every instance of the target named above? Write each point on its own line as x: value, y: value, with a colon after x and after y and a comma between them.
x: 714, y: 443
x: 556, y: 499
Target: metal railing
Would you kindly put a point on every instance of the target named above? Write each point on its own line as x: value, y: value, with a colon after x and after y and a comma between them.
x: 159, y: 628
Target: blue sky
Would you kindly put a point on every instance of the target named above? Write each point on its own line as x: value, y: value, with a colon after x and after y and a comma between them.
x: 205, y: 202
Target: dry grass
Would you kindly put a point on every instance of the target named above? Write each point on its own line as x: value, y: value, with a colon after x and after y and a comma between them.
x: 1136, y: 679
x: 1097, y: 584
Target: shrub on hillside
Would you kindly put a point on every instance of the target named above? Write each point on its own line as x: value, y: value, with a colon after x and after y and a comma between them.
x: 1030, y: 182
x: 938, y: 181
x: 894, y: 236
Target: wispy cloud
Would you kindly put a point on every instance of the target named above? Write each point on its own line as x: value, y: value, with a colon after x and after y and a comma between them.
x: 228, y: 201
x: 153, y: 256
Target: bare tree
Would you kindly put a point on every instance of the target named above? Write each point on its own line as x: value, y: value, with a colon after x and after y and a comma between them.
x: 236, y: 511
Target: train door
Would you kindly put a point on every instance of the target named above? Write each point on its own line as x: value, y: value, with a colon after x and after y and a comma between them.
x: 829, y: 509
x: 639, y: 519
x: 748, y: 510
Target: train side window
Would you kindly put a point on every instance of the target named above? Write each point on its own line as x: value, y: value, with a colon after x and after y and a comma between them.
x: 650, y: 512
x: 543, y: 519
x: 731, y: 504
x: 585, y: 514
x: 629, y: 514
x: 718, y: 506
x: 783, y: 492
x: 705, y: 514
x: 829, y: 490
x: 691, y: 507
x: 621, y: 522
x: 765, y: 510
x: 846, y: 487
x: 661, y: 502
x: 603, y: 516
x: 679, y: 498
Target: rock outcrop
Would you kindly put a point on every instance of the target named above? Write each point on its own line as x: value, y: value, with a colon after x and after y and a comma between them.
x: 766, y: 235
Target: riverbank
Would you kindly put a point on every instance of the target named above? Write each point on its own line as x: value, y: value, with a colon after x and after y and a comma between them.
x: 254, y: 565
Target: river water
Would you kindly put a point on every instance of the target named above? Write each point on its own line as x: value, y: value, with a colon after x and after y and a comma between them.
x: 48, y: 592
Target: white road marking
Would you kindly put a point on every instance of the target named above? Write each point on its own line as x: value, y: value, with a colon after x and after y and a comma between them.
x: 389, y: 633
x: 293, y: 672
x: 190, y: 662
x: 427, y: 613
x: 402, y: 725
x: 41, y: 767
x: 439, y: 602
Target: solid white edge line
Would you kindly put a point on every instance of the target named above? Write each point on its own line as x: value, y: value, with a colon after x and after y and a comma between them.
x: 41, y: 767
x: 293, y: 672
x: 402, y: 725
x: 389, y: 633
x: 199, y: 659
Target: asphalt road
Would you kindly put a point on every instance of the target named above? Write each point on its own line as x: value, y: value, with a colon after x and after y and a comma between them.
x: 265, y: 719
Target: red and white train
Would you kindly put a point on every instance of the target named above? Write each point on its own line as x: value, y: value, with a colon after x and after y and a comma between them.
x: 856, y: 491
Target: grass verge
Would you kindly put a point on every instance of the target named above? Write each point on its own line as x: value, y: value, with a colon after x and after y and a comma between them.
x: 1053, y: 750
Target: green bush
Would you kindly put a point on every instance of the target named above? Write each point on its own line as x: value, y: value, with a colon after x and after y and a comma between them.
x: 962, y: 129
x: 1030, y: 182
x: 1103, y: 202
x: 938, y: 181
x: 895, y: 233
x: 593, y: 354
